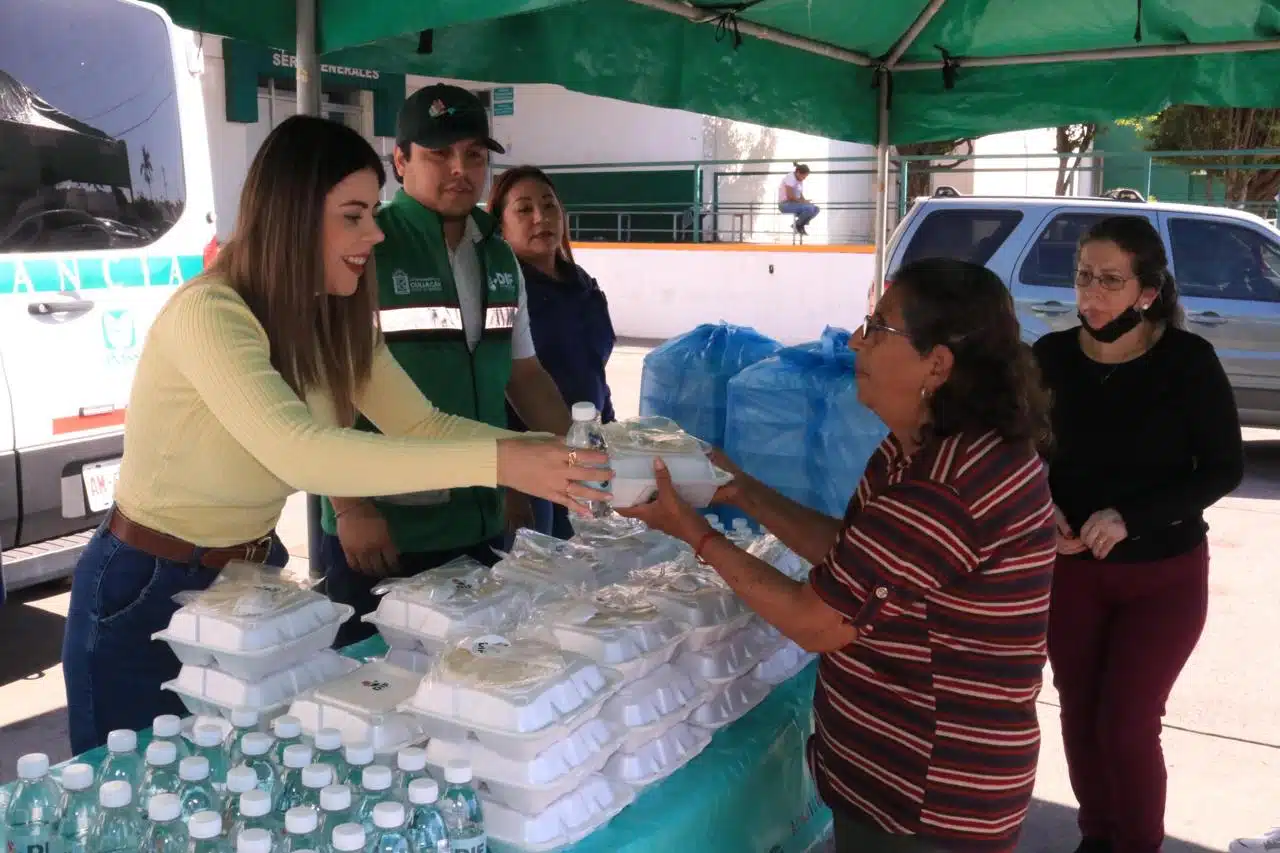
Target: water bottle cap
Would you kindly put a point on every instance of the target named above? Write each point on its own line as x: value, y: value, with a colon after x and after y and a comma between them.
x: 584, y: 412
x: 287, y: 728
x: 376, y: 777
x: 424, y: 792
x: 458, y: 772
x: 207, y: 735
x: 255, y: 743
x: 712, y: 519
x: 164, y: 807
x: 388, y: 815
x: 348, y: 837
x: 77, y: 777
x: 166, y: 725
x: 741, y: 524
x: 328, y: 739
x: 412, y: 759
x: 194, y: 768
x: 335, y: 798
x: 241, y: 779
x: 301, y: 820
x: 242, y: 719
x: 360, y: 753
x: 317, y: 775
x: 204, y: 825
x: 297, y: 756
x: 33, y: 765
x: 115, y: 795
x: 161, y: 753
x: 122, y: 740
x: 255, y: 803
x: 253, y: 841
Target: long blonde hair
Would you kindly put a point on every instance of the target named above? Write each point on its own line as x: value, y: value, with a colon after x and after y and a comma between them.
x: 275, y: 260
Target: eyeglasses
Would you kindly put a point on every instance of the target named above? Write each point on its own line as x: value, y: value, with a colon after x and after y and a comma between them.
x: 1107, y: 281
x: 871, y: 324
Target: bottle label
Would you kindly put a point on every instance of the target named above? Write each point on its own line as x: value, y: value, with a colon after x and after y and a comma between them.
x: 37, y: 843
x: 469, y: 845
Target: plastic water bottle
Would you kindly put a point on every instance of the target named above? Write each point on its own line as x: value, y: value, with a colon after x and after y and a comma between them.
x: 120, y: 828
x: 411, y: 764
x: 389, y: 832
x: 315, y: 778
x: 254, y: 841
x: 123, y: 763
x: 78, y: 808
x: 242, y: 723
x: 460, y: 808
x: 256, y: 747
x: 359, y: 755
x: 162, y: 773
x: 302, y: 830
x: 31, y: 818
x: 197, y: 793
x: 168, y: 831
x: 168, y: 727
x: 741, y: 534
x: 205, y: 831
x: 288, y: 732
x: 427, y: 833
x: 713, y: 519
x: 297, y: 756
x: 335, y: 808
x: 209, y: 746
x: 328, y: 750
x: 240, y: 780
x: 255, y: 813
x: 586, y: 434
x: 348, y: 838
x: 375, y: 783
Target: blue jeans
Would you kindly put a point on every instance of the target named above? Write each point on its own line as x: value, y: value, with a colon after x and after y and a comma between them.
x: 804, y: 211
x: 551, y: 519
x: 113, y: 670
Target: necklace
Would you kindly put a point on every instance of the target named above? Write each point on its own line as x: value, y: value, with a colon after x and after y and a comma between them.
x: 1147, y: 342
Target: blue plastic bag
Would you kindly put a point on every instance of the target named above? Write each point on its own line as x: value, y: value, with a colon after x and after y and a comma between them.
x: 795, y: 423
x: 686, y: 379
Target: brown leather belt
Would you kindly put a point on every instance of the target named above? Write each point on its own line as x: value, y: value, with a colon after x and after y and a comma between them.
x: 171, y: 548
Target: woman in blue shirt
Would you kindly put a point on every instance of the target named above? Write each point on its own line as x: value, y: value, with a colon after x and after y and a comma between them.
x: 568, y: 312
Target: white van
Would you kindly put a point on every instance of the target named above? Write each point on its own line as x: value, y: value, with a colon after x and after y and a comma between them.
x: 106, y: 205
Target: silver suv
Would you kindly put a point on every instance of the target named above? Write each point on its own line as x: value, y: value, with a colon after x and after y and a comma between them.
x: 1227, y: 264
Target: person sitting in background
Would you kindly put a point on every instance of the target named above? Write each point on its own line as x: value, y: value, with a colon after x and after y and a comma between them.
x: 929, y: 602
x: 791, y: 199
x: 568, y: 312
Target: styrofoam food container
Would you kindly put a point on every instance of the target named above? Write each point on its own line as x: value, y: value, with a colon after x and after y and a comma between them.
x: 642, y: 706
x: 414, y: 660
x: 569, y: 819
x: 521, y: 709
x: 659, y: 758
x: 410, y: 619
x: 727, y: 659
x: 709, y: 635
x: 260, y: 663
x: 210, y: 691
x: 364, y: 706
x: 635, y: 491
x: 635, y: 646
x: 532, y: 785
x: 786, y: 662
x: 301, y: 615
x: 691, y: 599
x: 730, y: 703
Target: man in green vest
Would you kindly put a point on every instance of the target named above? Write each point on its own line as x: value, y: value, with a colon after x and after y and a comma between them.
x: 453, y: 312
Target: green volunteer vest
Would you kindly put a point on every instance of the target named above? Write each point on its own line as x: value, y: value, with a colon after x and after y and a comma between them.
x: 423, y: 324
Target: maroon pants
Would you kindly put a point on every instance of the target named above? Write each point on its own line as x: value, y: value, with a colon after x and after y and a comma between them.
x: 1119, y: 634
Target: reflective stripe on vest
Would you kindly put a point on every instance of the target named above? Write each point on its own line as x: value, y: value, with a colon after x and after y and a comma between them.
x: 437, y: 319
x: 503, y: 317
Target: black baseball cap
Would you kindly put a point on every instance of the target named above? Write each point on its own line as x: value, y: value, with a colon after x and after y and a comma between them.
x: 440, y: 115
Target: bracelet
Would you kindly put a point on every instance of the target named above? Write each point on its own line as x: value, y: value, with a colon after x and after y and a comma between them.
x: 703, y: 543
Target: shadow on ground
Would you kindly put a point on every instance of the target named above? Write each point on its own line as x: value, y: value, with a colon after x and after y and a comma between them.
x: 45, y: 733
x: 30, y: 638
x: 1051, y: 828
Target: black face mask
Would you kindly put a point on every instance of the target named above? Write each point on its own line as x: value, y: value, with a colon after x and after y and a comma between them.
x: 1119, y: 326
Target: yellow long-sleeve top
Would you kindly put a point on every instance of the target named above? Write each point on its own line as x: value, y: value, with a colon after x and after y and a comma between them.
x: 215, y: 441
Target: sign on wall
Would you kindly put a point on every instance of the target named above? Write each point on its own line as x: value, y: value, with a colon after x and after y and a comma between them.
x: 504, y: 101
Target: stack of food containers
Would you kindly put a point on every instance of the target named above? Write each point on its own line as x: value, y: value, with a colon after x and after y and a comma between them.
x: 634, y: 446
x: 252, y: 642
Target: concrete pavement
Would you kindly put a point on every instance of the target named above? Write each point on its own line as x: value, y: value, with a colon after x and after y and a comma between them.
x: 1222, y: 732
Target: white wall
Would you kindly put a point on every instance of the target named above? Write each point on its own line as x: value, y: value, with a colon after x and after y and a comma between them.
x: 790, y: 294
x: 1023, y: 175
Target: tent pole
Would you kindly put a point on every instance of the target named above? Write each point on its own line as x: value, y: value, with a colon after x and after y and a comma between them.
x: 913, y: 32
x: 308, y: 63
x: 882, y: 181
x: 1145, y: 51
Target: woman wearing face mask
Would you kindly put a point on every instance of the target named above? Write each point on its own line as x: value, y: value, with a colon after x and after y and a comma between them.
x: 568, y: 312
x: 249, y: 379
x: 1146, y: 437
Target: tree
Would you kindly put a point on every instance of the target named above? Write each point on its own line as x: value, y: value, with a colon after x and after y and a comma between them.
x: 147, y: 170
x: 1073, y: 141
x: 1245, y: 177
x: 920, y: 172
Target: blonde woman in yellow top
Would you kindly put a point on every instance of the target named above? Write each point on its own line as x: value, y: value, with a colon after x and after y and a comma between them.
x: 245, y: 391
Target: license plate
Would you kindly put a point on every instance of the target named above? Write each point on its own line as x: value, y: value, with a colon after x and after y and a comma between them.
x: 100, y: 484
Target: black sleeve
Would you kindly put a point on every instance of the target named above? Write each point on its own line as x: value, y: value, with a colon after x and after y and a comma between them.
x: 1219, y: 450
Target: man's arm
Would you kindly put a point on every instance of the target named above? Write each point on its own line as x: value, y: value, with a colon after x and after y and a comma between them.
x: 534, y: 395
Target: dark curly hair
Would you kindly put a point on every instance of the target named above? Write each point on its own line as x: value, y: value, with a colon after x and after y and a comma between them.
x: 994, y: 383
x: 1138, y: 238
